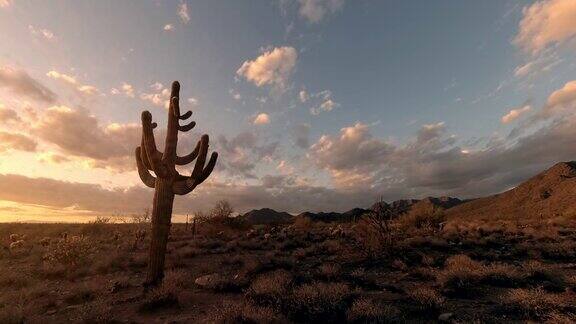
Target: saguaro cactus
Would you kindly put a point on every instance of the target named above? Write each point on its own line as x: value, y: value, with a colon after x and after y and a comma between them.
x: 168, y: 182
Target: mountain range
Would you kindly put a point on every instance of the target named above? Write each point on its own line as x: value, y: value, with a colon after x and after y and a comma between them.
x: 548, y: 194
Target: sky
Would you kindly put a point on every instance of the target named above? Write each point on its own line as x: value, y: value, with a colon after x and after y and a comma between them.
x: 319, y: 105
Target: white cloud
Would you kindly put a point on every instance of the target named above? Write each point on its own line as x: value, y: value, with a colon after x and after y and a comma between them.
x: 315, y: 10
x: 160, y: 97
x: 5, y: 3
x: 193, y: 101
x: 546, y: 23
x: 262, y: 119
x: 42, y: 32
x: 61, y: 76
x: 563, y: 99
x: 303, y: 96
x: 83, y: 89
x: 235, y: 94
x: 515, y: 114
x: 324, y: 102
x: 126, y: 89
x: 273, y: 67
x: 183, y: 12
x: 168, y: 27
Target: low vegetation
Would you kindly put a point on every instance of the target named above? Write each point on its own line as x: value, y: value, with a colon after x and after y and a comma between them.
x: 376, y: 270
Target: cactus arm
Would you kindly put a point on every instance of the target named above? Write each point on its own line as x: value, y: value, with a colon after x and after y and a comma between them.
x: 183, y: 187
x: 201, y: 160
x: 143, y: 172
x: 172, y: 132
x: 150, y: 144
x: 183, y: 160
x: 187, y: 127
x: 187, y: 115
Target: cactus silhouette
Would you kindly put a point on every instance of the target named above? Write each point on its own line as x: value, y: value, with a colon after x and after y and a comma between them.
x: 168, y: 182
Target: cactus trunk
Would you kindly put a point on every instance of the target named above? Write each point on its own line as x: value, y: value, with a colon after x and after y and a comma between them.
x: 161, y: 222
x: 168, y: 182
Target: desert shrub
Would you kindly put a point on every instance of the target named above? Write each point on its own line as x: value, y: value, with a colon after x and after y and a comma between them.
x: 80, y: 295
x: 423, y: 219
x: 329, y: 271
x: 96, y: 312
x: 426, y: 299
x: 243, y: 312
x: 376, y: 231
x: 460, y: 275
x: 12, y: 315
x: 71, y: 252
x: 270, y: 288
x: 320, y: 301
x: 539, y: 273
x: 303, y: 223
x: 164, y: 296
x: 366, y: 310
x: 501, y: 275
x: 97, y: 226
x: 14, y: 279
x: 532, y: 303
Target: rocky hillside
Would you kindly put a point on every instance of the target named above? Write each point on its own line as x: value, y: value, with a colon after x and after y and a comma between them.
x: 266, y: 216
x: 548, y: 194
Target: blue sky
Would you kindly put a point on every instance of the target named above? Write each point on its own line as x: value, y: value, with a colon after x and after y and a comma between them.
x: 326, y: 103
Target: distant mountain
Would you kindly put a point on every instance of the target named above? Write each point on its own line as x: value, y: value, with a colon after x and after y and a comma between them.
x: 266, y: 216
x: 547, y: 194
x: 330, y: 217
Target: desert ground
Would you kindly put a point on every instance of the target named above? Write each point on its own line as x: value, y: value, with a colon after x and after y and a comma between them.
x: 420, y: 268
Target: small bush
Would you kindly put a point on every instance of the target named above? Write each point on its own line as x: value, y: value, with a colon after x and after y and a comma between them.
x: 320, y: 302
x: 533, y: 303
x: 461, y: 275
x: 270, y: 288
x: 426, y: 299
x: 71, y: 252
x: 365, y: 310
x: 243, y: 312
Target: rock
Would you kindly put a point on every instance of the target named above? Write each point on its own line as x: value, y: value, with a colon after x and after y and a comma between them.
x: 208, y: 280
x: 267, y: 236
x: 444, y: 317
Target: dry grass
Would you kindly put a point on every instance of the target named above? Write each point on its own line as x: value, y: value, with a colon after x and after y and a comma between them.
x: 298, y: 274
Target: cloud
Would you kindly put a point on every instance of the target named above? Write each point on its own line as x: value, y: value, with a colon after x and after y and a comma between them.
x: 351, y: 156
x: 235, y: 94
x: 83, y: 89
x: 562, y: 99
x: 20, y: 83
x: 8, y: 115
x: 91, y: 197
x: 316, y: 10
x: 80, y: 134
x: 515, y: 114
x: 546, y: 23
x: 42, y: 32
x: 273, y: 67
x: 5, y: 3
x: 14, y: 141
x: 303, y: 96
x: 323, y: 102
x: 51, y: 157
x: 434, y: 163
x: 160, y: 97
x: 241, y: 153
x: 126, y: 89
x: 168, y: 27
x: 183, y: 12
x: 262, y: 119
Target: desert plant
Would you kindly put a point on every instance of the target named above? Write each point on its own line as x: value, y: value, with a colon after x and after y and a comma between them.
x: 168, y: 182
x: 376, y: 230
